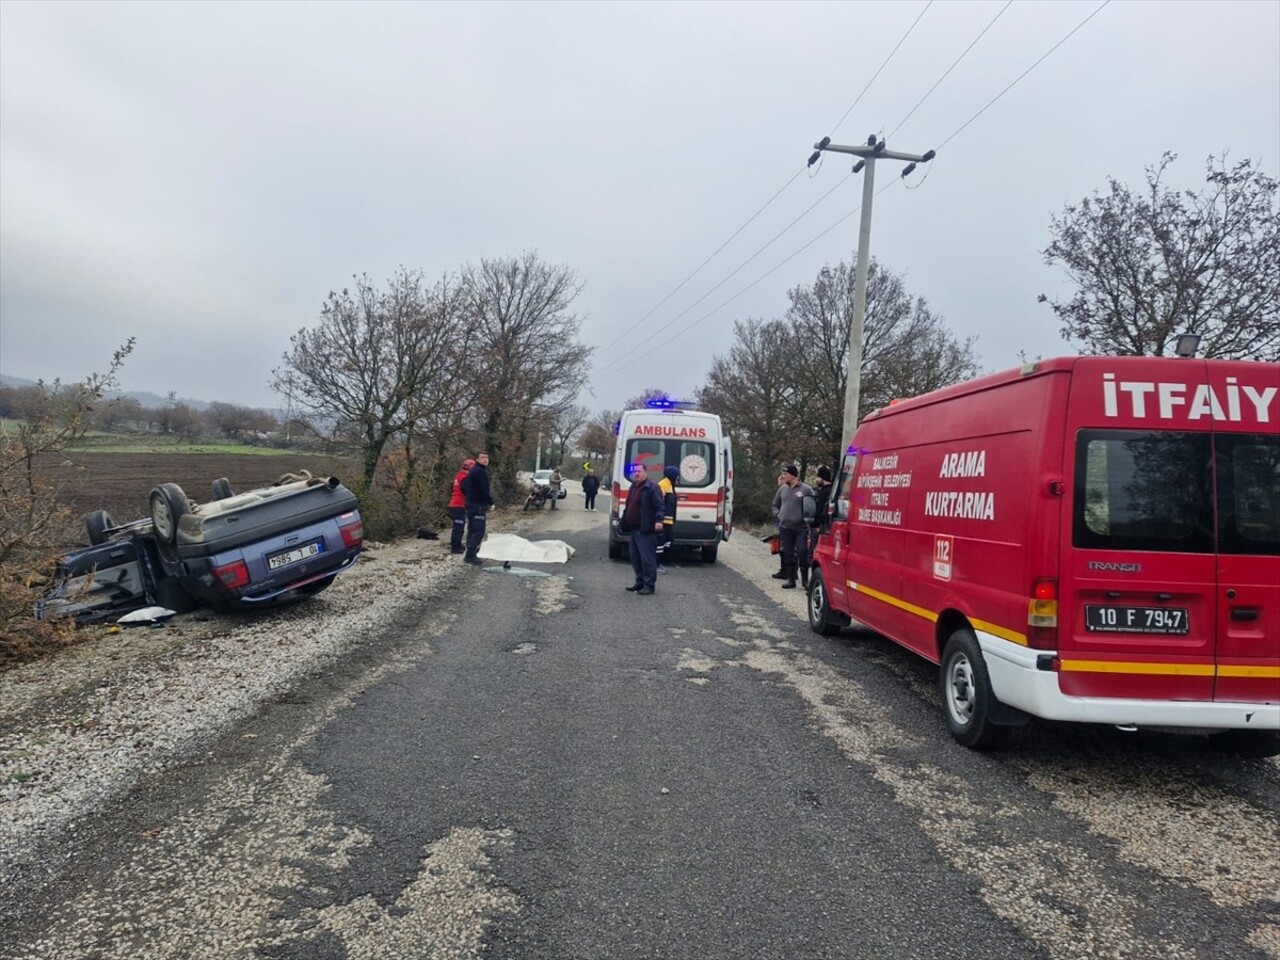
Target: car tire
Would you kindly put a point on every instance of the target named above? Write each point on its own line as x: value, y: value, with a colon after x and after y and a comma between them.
x: 168, y: 504
x: 172, y: 595
x: 615, y: 550
x: 97, y: 524
x: 820, y: 606
x: 1255, y: 744
x: 709, y: 553
x: 222, y: 489
x: 967, y: 698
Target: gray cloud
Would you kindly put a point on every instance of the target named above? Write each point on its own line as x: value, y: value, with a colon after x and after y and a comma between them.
x: 200, y: 175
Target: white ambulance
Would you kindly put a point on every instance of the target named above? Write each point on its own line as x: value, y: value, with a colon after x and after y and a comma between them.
x: 669, y: 434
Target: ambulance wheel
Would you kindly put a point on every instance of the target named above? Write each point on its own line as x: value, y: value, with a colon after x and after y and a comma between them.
x: 820, y: 607
x: 97, y: 524
x: 222, y: 489
x: 172, y: 595
x: 168, y: 504
x: 709, y: 553
x: 1257, y: 744
x: 967, y: 698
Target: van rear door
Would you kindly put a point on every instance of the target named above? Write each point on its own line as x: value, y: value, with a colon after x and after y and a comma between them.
x: 1247, y: 467
x: 1138, y: 610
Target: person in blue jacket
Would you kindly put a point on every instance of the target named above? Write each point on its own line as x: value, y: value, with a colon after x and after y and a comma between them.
x: 642, y: 517
x: 479, y: 498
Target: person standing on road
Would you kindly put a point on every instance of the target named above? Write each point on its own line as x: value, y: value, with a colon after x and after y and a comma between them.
x: 668, y: 487
x: 643, y: 518
x: 590, y: 487
x: 821, y: 498
x: 479, y: 499
x: 458, y: 507
x: 793, y: 527
x: 556, y: 480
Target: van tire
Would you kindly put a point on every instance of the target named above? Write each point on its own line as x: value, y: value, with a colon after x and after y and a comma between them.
x: 96, y: 525
x: 709, y: 553
x: 967, y: 699
x: 1255, y: 744
x: 168, y: 504
x: 820, y: 606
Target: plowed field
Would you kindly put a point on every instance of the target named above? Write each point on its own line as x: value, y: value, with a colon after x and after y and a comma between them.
x: 121, y: 483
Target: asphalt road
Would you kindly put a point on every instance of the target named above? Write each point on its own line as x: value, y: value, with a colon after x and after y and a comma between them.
x: 550, y: 767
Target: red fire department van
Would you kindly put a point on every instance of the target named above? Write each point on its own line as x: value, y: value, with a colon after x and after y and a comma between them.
x: 668, y: 433
x: 1093, y: 539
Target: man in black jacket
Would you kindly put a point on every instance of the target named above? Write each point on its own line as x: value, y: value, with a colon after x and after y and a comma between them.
x: 643, y: 518
x: 479, y: 499
x: 590, y: 487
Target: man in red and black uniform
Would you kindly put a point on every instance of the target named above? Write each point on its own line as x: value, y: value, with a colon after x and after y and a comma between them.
x: 458, y: 507
x: 643, y: 518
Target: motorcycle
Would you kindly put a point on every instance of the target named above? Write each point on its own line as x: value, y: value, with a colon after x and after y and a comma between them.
x: 538, y: 495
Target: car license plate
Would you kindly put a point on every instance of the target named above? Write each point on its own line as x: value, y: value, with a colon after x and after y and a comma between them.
x: 1100, y: 619
x: 297, y: 554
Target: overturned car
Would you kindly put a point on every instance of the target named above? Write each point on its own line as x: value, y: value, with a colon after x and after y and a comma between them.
x: 237, y: 551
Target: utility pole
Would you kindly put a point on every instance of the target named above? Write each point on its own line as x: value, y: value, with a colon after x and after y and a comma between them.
x: 868, y: 154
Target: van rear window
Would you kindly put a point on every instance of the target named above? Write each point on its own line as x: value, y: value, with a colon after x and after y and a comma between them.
x: 695, y: 459
x: 1143, y: 490
x: 1157, y: 490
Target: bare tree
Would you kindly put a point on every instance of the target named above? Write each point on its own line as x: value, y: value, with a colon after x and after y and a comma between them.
x: 565, y: 424
x: 1153, y: 264
x: 527, y: 355
x: 597, y: 438
x: 375, y: 358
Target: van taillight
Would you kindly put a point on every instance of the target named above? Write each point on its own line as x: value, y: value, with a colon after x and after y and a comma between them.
x: 617, y: 497
x: 233, y: 576
x: 1042, y: 609
x: 352, y: 529
x: 720, y: 505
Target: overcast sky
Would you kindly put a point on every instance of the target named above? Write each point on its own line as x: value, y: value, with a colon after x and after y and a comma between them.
x: 201, y: 175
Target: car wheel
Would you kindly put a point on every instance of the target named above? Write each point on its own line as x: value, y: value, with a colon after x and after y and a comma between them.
x: 168, y: 504
x: 615, y: 551
x: 820, y: 607
x: 709, y: 553
x: 97, y: 524
x: 1257, y: 744
x: 967, y: 698
x: 222, y: 489
x: 172, y: 595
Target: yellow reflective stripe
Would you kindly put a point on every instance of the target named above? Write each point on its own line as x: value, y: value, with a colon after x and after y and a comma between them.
x: 1124, y: 666
x: 1240, y: 670
x: 1004, y: 633
x: 894, y: 601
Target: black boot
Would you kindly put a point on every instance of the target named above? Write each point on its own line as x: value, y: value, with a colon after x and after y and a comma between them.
x: 790, y: 583
x: 782, y: 573
x: 804, y: 577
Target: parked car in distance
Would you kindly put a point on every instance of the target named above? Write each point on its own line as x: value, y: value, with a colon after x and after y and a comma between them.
x: 237, y: 551
x: 542, y: 478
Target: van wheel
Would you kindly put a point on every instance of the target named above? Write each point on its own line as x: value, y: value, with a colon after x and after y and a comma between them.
x: 222, y: 489
x: 97, y: 524
x: 168, y: 504
x: 967, y: 698
x: 1247, y: 743
x: 820, y: 606
x: 709, y: 553
x: 615, y: 551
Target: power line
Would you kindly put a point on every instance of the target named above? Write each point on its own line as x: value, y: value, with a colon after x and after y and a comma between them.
x: 777, y: 266
x: 882, y: 66
x: 680, y: 286
x: 766, y: 204
x: 738, y: 268
x: 952, y: 67
x: 1024, y: 73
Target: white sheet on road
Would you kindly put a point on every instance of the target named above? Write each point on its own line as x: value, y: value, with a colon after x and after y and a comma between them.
x: 507, y: 546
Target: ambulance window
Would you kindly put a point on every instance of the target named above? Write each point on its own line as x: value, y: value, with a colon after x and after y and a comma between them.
x: 695, y: 459
x: 1248, y: 493
x: 1143, y: 490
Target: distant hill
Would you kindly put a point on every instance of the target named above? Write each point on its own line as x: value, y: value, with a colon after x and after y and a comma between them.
x: 148, y: 400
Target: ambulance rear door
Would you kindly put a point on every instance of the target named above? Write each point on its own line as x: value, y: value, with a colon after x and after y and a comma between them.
x: 726, y: 456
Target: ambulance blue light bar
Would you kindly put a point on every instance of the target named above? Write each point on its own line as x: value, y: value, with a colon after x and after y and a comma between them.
x: 666, y: 403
